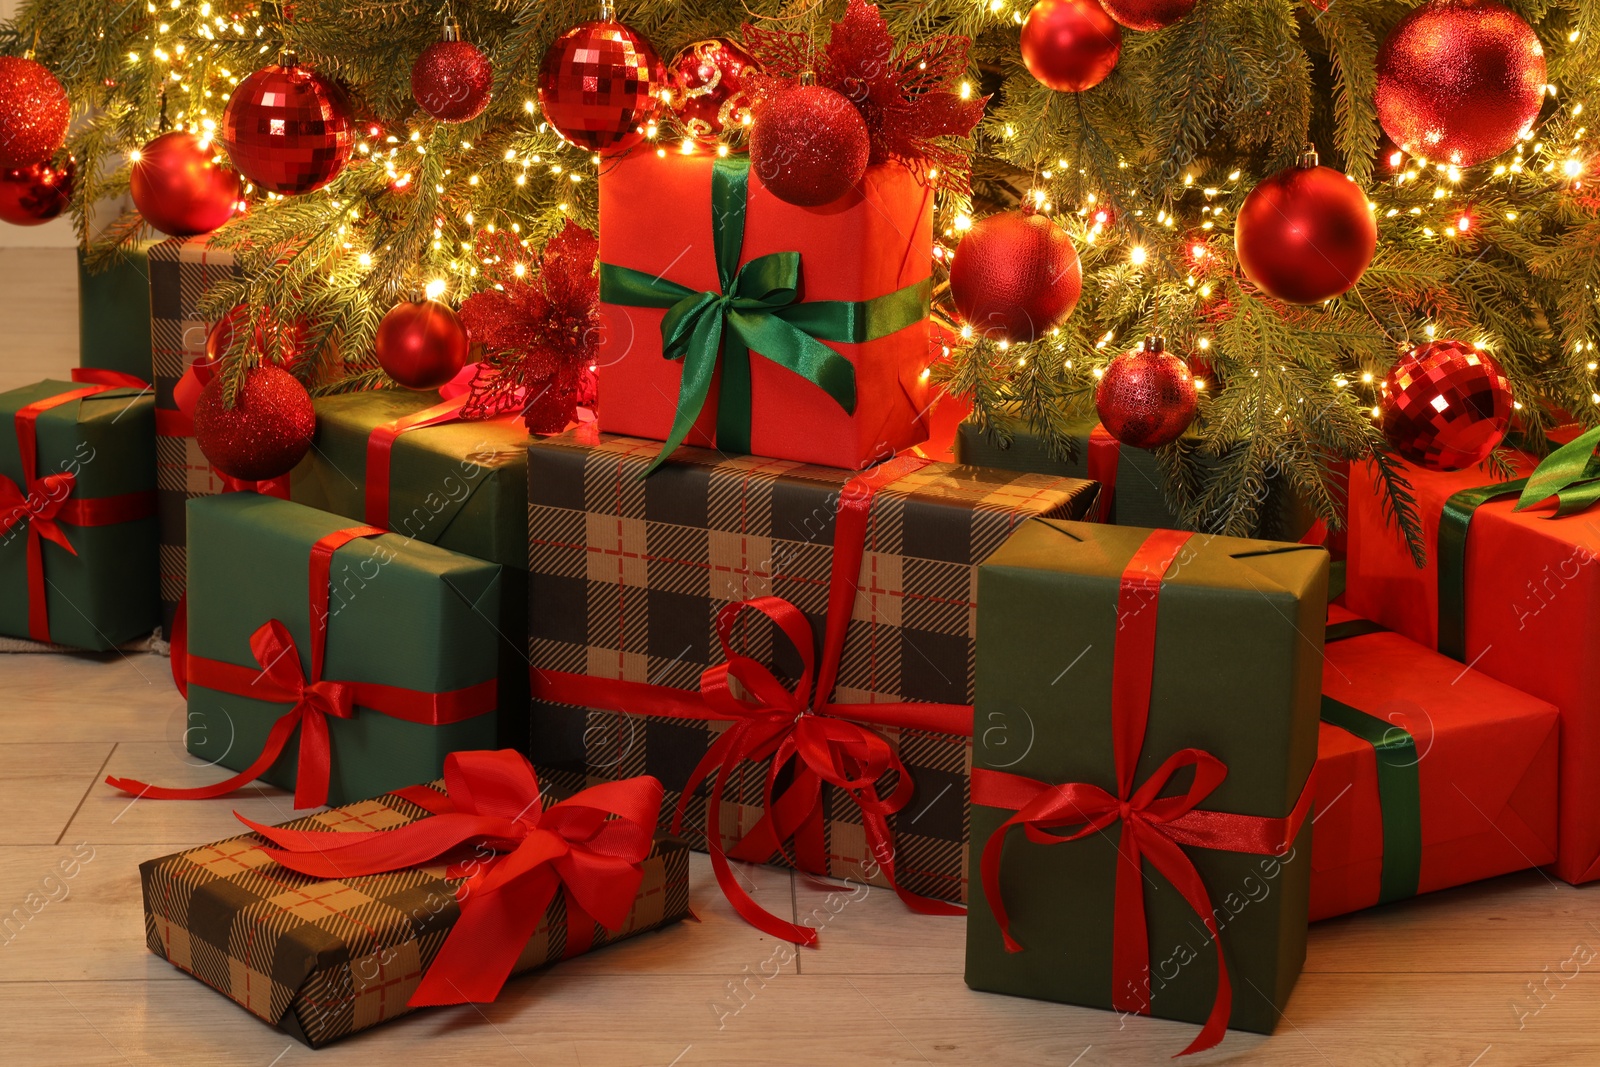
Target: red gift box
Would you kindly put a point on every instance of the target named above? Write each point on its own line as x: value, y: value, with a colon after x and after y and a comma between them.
x: 858, y: 253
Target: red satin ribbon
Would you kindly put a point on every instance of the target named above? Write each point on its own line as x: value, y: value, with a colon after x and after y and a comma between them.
x: 278, y: 678
x: 380, y: 447
x: 1154, y: 827
x: 591, y: 846
x: 1105, y: 452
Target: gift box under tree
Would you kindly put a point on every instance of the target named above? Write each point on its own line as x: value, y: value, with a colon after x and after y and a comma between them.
x: 114, y: 314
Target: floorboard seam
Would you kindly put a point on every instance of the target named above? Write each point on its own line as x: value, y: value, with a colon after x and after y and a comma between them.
x: 97, y: 776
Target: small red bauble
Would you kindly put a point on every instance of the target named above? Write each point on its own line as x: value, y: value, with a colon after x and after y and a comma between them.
x: 709, y: 94
x: 266, y: 432
x: 1146, y: 398
x: 32, y: 196
x: 288, y: 129
x: 1459, y: 81
x: 1015, y: 277
x: 1070, y: 45
x: 422, y: 344
x: 599, y: 84
x: 451, y: 78
x: 808, y: 145
x: 283, y: 345
x: 1305, y: 235
x: 1446, y: 405
x: 179, y: 188
x: 1147, y: 14
x: 34, y: 111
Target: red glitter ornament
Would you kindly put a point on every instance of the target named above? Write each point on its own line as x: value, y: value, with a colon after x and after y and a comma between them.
x: 451, y: 78
x: 1146, y: 398
x: 288, y: 129
x: 1446, y: 405
x: 600, y: 84
x: 179, y: 188
x: 808, y: 145
x: 1305, y: 235
x: 1459, y: 81
x: 31, y: 196
x: 1147, y: 14
x: 266, y: 432
x: 421, y: 344
x: 1070, y: 45
x: 710, y: 93
x: 34, y: 111
x: 1015, y: 277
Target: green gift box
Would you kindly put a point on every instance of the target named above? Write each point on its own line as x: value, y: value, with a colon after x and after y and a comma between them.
x: 1083, y: 631
x: 86, y: 480
x: 114, y: 314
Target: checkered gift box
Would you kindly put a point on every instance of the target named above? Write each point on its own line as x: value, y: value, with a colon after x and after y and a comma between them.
x: 627, y: 576
x: 323, y: 959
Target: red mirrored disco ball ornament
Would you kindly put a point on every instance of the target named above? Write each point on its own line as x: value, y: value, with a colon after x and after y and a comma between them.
x: 32, y: 196
x: 808, y: 145
x: 1070, y: 45
x: 1146, y: 398
x: 451, y: 78
x: 1015, y: 277
x: 599, y: 84
x: 179, y: 188
x: 288, y: 129
x: 34, y: 111
x: 1446, y: 405
x: 422, y: 344
x: 1459, y: 81
x: 1305, y: 234
x: 709, y: 94
x: 1147, y: 14
x: 265, y: 433
x: 277, y: 342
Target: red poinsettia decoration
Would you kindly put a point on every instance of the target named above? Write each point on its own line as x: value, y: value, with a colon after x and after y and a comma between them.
x: 908, y: 94
x: 539, y: 328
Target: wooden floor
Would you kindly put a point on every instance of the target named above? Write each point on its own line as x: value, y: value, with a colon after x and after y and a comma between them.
x: 1449, y: 979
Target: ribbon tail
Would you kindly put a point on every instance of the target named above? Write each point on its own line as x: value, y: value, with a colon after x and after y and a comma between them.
x: 1130, y: 952
x: 315, y: 766
x: 699, y: 368
x: 735, y: 406
x: 880, y: 839
x: 487, y: 940
x: 1168, y: 858
x: 277, y: 739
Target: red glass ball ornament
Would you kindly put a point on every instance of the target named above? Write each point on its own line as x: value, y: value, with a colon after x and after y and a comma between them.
x: 422, y: 344
x: 32, y: 196
x: 709, y: 94
x: 1459, y: 81
x: 180, y: 189
x: 1147, y: 14
x: 808, y: 145
x: 265, y: 433
x: 1305, y: 235
x: 1070, y: 45
x: 278, y: 342
x: 288, y: 129
x: 599, y: 84
x: 34, y: 111
x: 451, y: 78
x: 1146, y: 398
x: 1015, y: 277
x: 1446, y: 405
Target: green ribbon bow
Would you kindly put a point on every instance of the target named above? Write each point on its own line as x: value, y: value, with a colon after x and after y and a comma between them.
x: 758, y: 309
x: 1571, y: 474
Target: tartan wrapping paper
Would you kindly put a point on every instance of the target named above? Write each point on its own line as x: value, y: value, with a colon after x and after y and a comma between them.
x: 627, y: 577
x: 324, y: 959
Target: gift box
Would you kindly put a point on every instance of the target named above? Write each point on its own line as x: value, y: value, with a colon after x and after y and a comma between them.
x: 683, y: 622
x: 1428, y: 776
x: 77, y: 514
x: 114, y: 314
x: 1113, y: 662
x: 323, y: 956
x: 793, y: 332
x: 1514, y: 594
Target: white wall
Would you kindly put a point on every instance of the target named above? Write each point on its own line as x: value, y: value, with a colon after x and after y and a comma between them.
x: 55, y: 234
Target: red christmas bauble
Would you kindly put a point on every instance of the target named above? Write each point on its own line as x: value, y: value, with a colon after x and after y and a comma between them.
x: 288, y: 129
x: 280, y: 343
x: 451, y: 78
x: 1015, y: 277
x: 32, y: 196
x: 599, y: 84
x: 709, y: 94
x: 422, y: 344
x: 1146, y: 398
x: 34, y: 111
x: 1070, y: 45
x: 1147, y: 14
x: 1305, y: 235
x: 266, y: 432
x: 808, y: 145
x: 180, y: 189
x: 1459, y: 81
x: 1446, y: 405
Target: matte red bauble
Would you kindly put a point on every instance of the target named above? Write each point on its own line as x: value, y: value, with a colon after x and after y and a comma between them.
x: 1147, y: 14
x: 1305, y: 235
x: 1459, y: 81
x: 288, y: 129
x: 265, y: 433
x: 709, y: 94
x: 1146, y: 398
x: 1446, y: 405
x: 422, y: 344
x: 808, y: 145
x: 34, y: 111
x: 1070, y: 45
x: 180, y: 189
x: 451, y: 78
x: 1015, y: 277
x: 599, y: 84
x: 31, y: 196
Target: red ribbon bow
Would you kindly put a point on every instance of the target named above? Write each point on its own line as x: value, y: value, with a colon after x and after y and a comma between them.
x: 591, y: 846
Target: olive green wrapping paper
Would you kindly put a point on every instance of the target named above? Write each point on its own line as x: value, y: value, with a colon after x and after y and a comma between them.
x: 401, y: 613
x: 1238, y: 673
x: 114, y: 314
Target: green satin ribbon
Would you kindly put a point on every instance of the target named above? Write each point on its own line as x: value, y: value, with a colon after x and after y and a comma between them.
x: 1452, y: 561
x: 758, y: 310
x: 1399, y: 795
x: 1571, y: 474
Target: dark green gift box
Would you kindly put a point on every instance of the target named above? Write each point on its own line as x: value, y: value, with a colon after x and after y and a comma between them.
x: 1237, y: 673
x: 104, y: 592
x: 114, y: 314
x: 402, y: 613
